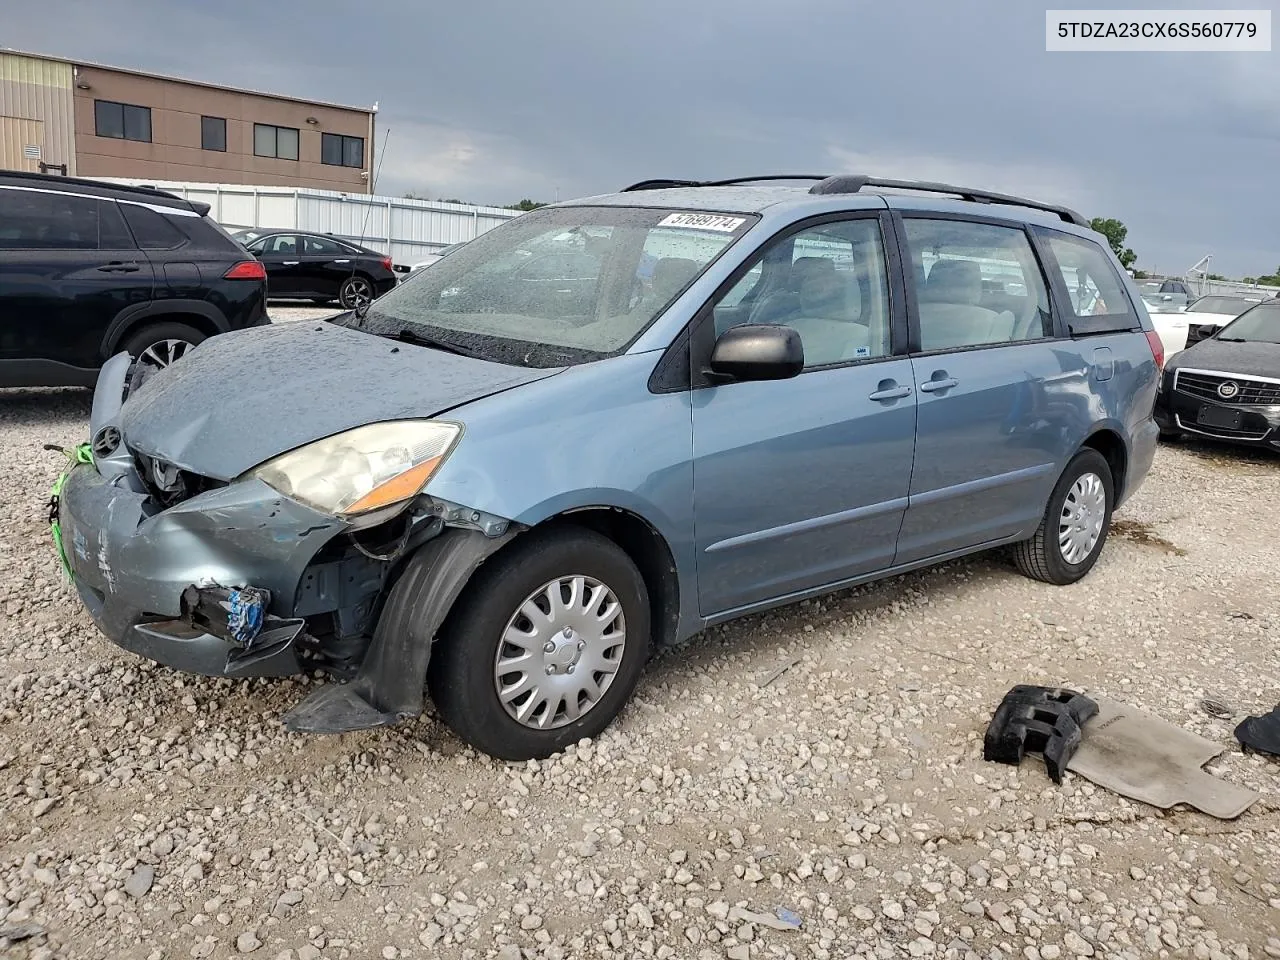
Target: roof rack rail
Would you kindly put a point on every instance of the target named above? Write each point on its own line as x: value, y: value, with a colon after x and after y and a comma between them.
x: 853, y: 183
x: 735, y: 181
x: 148, y: 189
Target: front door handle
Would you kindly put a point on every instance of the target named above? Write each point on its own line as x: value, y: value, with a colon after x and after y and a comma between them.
x: 891, y: 393
x: 290, y: 263
x: 116, y: 266
x: 933, y: 386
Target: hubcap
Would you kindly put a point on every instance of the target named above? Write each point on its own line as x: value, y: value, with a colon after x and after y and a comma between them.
x: 1083, y: 513
x: 358, y: 292
x: 164, y: 352
x: 559, y: 652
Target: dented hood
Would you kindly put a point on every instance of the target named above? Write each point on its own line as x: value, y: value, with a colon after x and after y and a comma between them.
x: 242, y: 398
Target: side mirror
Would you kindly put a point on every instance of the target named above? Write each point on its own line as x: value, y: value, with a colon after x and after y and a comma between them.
x: 758, y: 351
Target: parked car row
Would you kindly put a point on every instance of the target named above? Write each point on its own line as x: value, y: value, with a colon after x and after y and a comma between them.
x: 1201, y: 319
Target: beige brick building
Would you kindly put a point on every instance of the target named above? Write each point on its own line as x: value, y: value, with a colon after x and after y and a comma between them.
x: 89, y: 120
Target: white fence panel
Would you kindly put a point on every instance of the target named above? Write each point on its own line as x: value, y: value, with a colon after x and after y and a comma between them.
x: 406, y: 229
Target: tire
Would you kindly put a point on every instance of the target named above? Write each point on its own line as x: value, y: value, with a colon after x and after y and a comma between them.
x: 1170, y: 436
x: 463, y: 677
x: 355, y: 289
x: 160, y: 344
x: 1043, y: 557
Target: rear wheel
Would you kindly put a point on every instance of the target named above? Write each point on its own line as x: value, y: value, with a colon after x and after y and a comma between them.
x: 1074, y: 528
x: 545, y: 646
x: 356, y: 291
x: 159, y: 345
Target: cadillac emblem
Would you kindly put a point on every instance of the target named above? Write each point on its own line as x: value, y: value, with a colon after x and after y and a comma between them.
x: 1228, y: 389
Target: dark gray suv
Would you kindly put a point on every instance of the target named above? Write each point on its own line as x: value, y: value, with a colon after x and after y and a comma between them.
x: 88, y: 269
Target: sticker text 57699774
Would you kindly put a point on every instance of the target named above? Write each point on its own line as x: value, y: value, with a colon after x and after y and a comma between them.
x: 703, y: 221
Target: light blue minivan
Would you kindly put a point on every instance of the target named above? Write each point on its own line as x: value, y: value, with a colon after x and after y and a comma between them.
x: 604, y: 426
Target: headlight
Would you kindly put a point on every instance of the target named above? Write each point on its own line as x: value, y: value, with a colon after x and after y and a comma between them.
x: 365, y: 469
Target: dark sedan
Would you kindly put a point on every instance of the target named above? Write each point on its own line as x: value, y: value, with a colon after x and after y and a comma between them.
x: 312, y: 266
x: 1227, y: 386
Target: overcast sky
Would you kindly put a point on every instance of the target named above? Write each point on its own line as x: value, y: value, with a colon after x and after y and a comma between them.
x: 495, y: 100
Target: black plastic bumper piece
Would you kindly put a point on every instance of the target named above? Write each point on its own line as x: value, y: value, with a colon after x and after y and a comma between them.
x: 1261, y: 733
x: 389, y: 684
x: 1044, y: 720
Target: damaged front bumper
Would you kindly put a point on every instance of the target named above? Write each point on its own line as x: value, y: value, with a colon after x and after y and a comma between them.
x: 131, y: 565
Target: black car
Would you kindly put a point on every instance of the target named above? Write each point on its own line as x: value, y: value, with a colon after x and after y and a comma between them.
x: 318, y: 267
x: 1227, y: 386
x: 90, y: 269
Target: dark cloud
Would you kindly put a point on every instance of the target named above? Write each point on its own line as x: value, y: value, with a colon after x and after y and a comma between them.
x: 494, y: 100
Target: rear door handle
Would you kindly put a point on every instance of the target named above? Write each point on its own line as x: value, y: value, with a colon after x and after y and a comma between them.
x: 342, y: 261
x: 290, y: 263
x: 891, y: 393
x: 932, y: 386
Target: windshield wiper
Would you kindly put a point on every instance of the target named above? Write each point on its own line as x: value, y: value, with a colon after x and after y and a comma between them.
x: 422, y: 340
x: 1231, y: 339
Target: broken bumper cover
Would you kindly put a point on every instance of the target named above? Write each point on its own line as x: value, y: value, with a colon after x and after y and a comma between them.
x: 131, y: 567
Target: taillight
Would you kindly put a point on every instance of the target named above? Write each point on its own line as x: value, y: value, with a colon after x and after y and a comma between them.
x: 386, y: 263
x: 246, y: 270
x: 1157, y: 348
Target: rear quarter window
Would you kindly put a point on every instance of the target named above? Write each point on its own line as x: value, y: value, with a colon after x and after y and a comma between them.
x: 1094, y: 294
x: 152, y: 230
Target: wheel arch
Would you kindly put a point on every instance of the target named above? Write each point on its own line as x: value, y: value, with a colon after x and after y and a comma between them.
x: 1108, y: 442
x: 203, y: 316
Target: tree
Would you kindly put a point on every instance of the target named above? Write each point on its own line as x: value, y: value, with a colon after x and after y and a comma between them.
x: 1115, y: 232
x: 524, y: 206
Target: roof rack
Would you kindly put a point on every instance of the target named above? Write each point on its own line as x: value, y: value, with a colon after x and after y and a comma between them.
x: 149, y: 191
x: 669, y: 184
x: 853, y: 183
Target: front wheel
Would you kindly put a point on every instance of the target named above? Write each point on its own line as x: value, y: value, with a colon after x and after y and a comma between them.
x: 1074, y: 528
x: 355, y: 292
x: 545, y: 646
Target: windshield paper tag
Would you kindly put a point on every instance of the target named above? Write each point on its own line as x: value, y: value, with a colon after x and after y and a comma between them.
x: 703, y: 221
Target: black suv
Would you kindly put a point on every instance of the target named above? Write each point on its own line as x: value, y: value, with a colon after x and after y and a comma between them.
x: 88, y: 269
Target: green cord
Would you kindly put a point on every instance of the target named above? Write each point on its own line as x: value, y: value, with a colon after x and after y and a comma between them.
x: 77, y: 456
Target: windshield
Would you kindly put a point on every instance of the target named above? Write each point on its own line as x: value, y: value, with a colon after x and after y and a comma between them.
x: 1229, y: 305
x: 557, y: 286
x: 1258, y: 325
x: 246, y: 237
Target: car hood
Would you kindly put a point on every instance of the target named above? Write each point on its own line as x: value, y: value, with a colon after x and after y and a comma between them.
x: 1245, y: 359
x: 241, y: 398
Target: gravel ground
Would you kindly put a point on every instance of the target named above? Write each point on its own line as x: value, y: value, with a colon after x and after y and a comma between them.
x: 152, y: 815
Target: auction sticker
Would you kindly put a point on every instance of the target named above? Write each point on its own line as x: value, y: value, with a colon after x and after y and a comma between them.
x: 703, y: 221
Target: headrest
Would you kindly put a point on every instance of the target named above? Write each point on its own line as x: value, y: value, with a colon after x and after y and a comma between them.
x: 954, y: 281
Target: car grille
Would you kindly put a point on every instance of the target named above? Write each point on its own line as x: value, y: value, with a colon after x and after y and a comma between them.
x: 1206, y: 386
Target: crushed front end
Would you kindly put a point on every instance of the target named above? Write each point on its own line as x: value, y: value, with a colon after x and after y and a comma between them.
x: 213, y: 577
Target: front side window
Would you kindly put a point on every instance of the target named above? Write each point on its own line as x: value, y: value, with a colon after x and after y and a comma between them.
x: 558, y: 286
x: 1093, y: 286
x: 285, y: 244
x: 213, y: 134
x: 48, y: 221
x: 976, y: 284
x: 279, y: 142
x: 122, y: 121
x: 828, y: 283
x: 340, y: 151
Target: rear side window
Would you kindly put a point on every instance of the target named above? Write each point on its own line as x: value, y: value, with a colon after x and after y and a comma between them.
x: 977, y: 284
x: 31, y: 220
x: 318, y: 247
x: 1094, y: 289
x: 152, y: 230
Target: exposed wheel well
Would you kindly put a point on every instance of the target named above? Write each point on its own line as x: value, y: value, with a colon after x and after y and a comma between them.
x: 1109, y: 444
x: 647, y: 550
